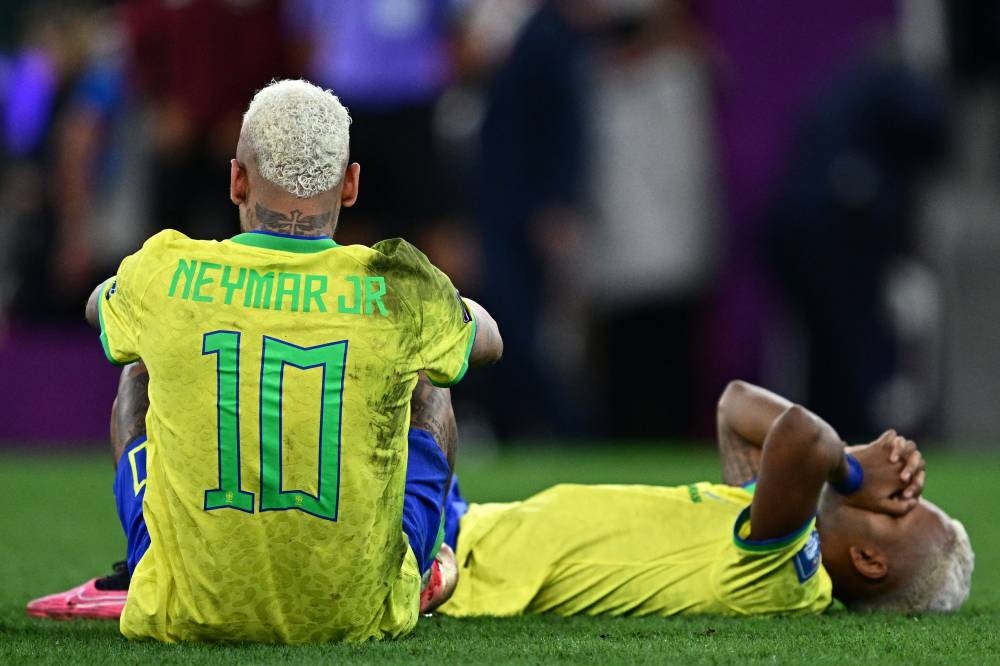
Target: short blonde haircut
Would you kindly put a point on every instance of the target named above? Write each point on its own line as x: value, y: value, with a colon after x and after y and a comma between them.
x: 942, y: 583
x: 298, y: 133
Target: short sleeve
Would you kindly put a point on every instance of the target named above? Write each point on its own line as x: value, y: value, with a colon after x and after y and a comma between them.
x: 774, y: 576
x: 116, y: 309
x: 446, y: 326
x: 119, y: 307
x: 448, y: 334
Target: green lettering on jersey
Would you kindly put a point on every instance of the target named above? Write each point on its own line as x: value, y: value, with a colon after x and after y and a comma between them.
x: 230, y: 494
x: 342, y: 301
x: 277, y: 358
x: 315, y: 288
x: 285, y: 279
x: 258, y: 291
x: 230, y: 286
x: 185, y: 269
x: 374, y: 290
x: 204, y: 280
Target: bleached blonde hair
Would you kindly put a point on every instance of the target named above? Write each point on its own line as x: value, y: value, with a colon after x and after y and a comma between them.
x: 942, y: 583
x: 298, y: 133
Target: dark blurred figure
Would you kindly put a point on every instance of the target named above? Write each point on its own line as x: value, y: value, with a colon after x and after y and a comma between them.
x: 42, y: 79
x: 974, y: 40
x: 388, y: 61
x: 532, y: 183
x: 100, y: 163
x: 656, y: 218
x: 197, y: 62
x: 842, y: 214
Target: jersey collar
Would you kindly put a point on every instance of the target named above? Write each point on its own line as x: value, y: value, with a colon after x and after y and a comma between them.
x: 286, y: 242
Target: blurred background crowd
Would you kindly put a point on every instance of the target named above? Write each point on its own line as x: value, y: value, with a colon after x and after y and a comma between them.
x: 651, y: 196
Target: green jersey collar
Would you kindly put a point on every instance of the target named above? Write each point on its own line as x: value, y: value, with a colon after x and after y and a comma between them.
x: 272, y: 240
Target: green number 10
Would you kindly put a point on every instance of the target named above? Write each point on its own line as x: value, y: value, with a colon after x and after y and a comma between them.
x: 275, y: 356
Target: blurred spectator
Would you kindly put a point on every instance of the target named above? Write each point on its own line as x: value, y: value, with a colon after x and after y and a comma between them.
x: 197, y: 62
x: 534, y: 142
x: 841, y: 218
x: 388, y: 61
x: 41, y: 82
x: 654, y: 191
x: 100, y: 164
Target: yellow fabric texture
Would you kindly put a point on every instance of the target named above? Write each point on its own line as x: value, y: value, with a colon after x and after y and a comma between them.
x: 628, y: 550
x: 286, y: 575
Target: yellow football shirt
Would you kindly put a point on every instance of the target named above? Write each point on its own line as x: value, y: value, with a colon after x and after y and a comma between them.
x: 632, y: 550
x: 280, y: 375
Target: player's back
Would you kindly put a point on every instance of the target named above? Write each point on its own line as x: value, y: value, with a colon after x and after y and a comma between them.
x: 630, y: 550
x: 281, y: 371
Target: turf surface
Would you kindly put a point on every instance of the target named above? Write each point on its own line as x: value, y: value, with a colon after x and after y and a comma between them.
x: 58, y: 528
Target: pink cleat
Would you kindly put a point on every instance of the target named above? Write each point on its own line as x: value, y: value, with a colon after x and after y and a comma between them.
x: 97, y: 599
x: 442, y: 580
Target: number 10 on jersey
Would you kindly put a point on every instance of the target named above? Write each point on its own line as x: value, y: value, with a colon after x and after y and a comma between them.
x: 276, y: 355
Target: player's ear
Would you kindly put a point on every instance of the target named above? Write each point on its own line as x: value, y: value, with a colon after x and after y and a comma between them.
x: 238, y: 182
x: 869, y: 561
x: 349, y: 193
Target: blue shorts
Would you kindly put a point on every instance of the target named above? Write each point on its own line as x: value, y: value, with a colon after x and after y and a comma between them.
x: 454, y: 508
x: 130, y: 488
x: 424, y: 520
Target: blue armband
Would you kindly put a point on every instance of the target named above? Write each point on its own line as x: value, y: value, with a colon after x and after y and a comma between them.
x: 855, y: 477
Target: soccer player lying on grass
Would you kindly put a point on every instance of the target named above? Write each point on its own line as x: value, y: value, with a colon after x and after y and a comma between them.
x: 280, y: 372
x: 797, y: 522
x: 799, y: 519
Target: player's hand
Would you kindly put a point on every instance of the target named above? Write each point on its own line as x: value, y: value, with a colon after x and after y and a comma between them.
x: 893, y: 475
x: 912, y: 472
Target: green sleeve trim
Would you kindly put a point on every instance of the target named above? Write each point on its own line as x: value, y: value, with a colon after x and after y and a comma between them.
x: 465, y: 363
x: 766, y: 545
x: 100, y: 319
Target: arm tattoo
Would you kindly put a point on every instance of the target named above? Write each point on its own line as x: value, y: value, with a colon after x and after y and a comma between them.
x: 431, y: 410
x: 131, y: 405
x: 740, y: 459
x: 294, y: 223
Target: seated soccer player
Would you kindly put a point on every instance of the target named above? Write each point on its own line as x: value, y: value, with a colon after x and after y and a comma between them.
x: 263, y: 488
x: 800, y: 519
x: 432, y: 445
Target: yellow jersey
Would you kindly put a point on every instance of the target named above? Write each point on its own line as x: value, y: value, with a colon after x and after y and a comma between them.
x: 280, y: 376
x: 632, y: 550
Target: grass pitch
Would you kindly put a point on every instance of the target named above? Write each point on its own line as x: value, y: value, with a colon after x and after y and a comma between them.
x: 58, y: 528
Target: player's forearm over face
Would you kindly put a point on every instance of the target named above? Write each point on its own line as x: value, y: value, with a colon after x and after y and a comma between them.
x: 93, y: 318
x: 801, y: 453
x: 488, y: 346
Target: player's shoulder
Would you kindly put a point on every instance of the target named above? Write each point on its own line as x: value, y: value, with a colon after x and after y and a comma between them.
x: 400, y: 251
x: 162, y: 244
x: 399, y: 257
x: 163, y: 238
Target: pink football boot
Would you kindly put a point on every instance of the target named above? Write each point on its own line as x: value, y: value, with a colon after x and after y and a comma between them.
x: 97, y: 599
x: 442, y: 580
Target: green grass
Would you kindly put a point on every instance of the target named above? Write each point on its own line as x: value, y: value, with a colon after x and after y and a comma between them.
x: 58, y: 527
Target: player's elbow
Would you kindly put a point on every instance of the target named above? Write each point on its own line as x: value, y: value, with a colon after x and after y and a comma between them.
x: 488, y: 345
x: 798, y: 424
x: 90, y: 311
x: 734, y: 391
